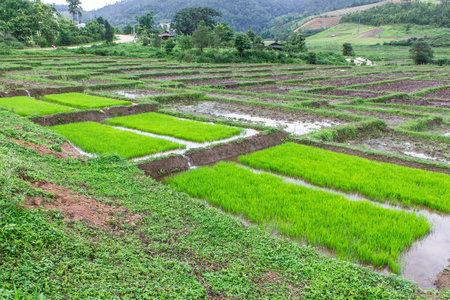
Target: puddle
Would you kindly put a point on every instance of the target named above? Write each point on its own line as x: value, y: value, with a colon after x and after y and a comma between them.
x: 294, y: 127
x: 133, y: 94
x: 424, y: 156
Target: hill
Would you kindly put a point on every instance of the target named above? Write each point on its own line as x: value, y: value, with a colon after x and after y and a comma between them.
x: 241, y: 15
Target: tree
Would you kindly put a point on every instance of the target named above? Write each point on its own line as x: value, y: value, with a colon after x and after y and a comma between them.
x: 201, y: 36
x: 74, y: 9
x: 296, y: 43
x: 147, y: 20
x: 421, y: 53
x: 187, y: 20
x: 109, y: 32
x: 128, y: 29
x: 168, y: 47
x: 251, y: 34
x: 347, y: 49
x: 184, y: 42
x: 258, y: 43
x: 242, y: 42
x: 224, y: 32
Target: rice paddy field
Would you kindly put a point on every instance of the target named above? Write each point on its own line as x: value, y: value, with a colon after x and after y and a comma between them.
x: 272, y: 181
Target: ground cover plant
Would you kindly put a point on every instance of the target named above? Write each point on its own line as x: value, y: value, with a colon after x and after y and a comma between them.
x: 84, y: 101
x: 171, y: 126
x: 27, y: 106
x: 379, y: 181
x: 355, y: 229
x: 102, y: 139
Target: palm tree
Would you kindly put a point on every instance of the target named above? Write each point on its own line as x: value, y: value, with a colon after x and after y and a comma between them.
x: 74, y: 9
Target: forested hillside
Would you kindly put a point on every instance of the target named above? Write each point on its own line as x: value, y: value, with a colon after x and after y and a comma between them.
x: 419, y: 13
x: 241, y: 15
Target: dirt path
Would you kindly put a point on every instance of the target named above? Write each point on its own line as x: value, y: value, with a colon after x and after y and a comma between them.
x: 371, y: 33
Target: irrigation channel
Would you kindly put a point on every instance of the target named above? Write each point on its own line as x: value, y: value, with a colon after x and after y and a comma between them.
x: 294, y: 127
x: 422, y: 262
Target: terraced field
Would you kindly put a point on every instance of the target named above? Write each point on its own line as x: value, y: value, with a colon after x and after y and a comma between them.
x: 376, y: 194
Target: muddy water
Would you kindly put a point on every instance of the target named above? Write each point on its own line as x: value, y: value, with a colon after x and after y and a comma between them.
x: 294, y: 127
x: 424, y: 156
x: 133, y: 94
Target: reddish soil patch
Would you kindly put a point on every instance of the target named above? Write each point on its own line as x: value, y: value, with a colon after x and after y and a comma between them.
x: 443, y: 279
x: 341, y: 82
x: 320, y: 23
x: 372, y: 33
x: 420, y: 102
x: 67, y: 150
x: 348, y: 93
x: 439, y: 94
x: 406, y: 86
x: 82, y: 208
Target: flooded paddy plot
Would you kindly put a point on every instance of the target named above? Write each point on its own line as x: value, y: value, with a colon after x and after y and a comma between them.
x: 403, y: 145
x: 137, y: 93
x: 406, y: 86
x: 293, y: 121
x: 272, y: 88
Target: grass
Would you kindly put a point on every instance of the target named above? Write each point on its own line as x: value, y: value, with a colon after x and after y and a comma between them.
x: 171, y: 126
x: 27, y: 106
x: 377, y: 180
x: 354, y: 229
x: 84, y: 101
x: 102, y: 139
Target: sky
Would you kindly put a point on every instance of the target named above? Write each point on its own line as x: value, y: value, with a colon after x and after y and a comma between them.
x: 85, y: 4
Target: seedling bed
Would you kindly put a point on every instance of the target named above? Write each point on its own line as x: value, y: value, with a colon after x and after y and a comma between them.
x: 84, y: 101
x: 26, y: 106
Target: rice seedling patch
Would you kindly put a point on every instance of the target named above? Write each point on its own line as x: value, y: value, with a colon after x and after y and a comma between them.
x: 27, y: 106
x: 377, y: 180
x: 84, y: 101
x: 353, y: 229
x: 178, y: 128
x: 102, y: 139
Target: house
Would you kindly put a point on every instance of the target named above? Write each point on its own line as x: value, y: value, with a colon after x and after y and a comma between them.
x: 166, y: 35
x: 273, y: 45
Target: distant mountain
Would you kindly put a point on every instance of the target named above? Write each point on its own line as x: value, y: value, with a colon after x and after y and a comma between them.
x: 63, y: 10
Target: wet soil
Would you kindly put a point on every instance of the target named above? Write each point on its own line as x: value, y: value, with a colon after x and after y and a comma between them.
x: 399, y: 144
x: 349, y: 93
x: 443, y: 279
x: 443, y: 94
x: 223, y: 82
x: 407, y: 86
x: 250, y: 98
x: 390, y: 119
x: 272, y: 89
x: 67, y: 150
x: 77, y: 207
x: 42, y: 92
x: 421, y: 102
x: 341, y: 82
x: 138, y: 93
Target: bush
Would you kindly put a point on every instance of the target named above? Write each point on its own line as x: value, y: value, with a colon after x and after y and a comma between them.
x: 421, y: 53
x: 312, y: 58
x: 347, y: 49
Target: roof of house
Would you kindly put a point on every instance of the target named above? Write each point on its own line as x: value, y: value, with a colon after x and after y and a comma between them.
x: 166, y: 33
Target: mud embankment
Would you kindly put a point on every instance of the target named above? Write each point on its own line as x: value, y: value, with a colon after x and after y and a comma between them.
x: 212, y: 154
x: 94, y: 115
x: 42, y: 92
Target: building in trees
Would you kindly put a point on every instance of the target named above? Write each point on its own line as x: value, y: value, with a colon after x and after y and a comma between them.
x: 165, y: 35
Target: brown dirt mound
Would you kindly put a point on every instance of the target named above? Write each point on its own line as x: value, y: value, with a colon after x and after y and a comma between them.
x: 82, y: 208
x: 319, y: 23
x: 443, y: 279
x: 67, y: 150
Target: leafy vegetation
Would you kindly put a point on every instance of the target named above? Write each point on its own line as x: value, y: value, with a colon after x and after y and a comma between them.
x: 379, y: 181
x: 101, y: 139
x: 84, y: 101
x: 183, y: 129
x: 27, y: 106
x: 355, y: 229
x: 421, y: 53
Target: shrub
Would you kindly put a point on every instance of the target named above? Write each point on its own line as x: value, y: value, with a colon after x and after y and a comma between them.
x: 421, y: 53
x: 347, y: 49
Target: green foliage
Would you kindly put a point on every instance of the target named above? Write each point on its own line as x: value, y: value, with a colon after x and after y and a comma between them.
x: 84, y: 101
x: 188, y: 20
x: 224, y: 33
x: 75, y: 9
x: 379, y: 181
x: 251, y: 35
x: 242, y: 42
x: 296, y: 43
x: 109, y: 32
x: 183, y: 129
x: 417, y: 12
x: 354, y: 229
x: 147, y: 21
x: 421, y: 53
x: 168, y: 47
x: 101, y: 139
x: 347, y: 49
x: 184, y: 42
x: 27, y: 106
x: 201, y: 36
x: 312, y: 58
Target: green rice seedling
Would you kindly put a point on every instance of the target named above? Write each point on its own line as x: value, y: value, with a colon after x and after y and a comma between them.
x: 377, y: 180
x: 102, y: 139
x: 84, y: 101
x: 27, y: 106
x: 171, y: 126
x: 353, y: 229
